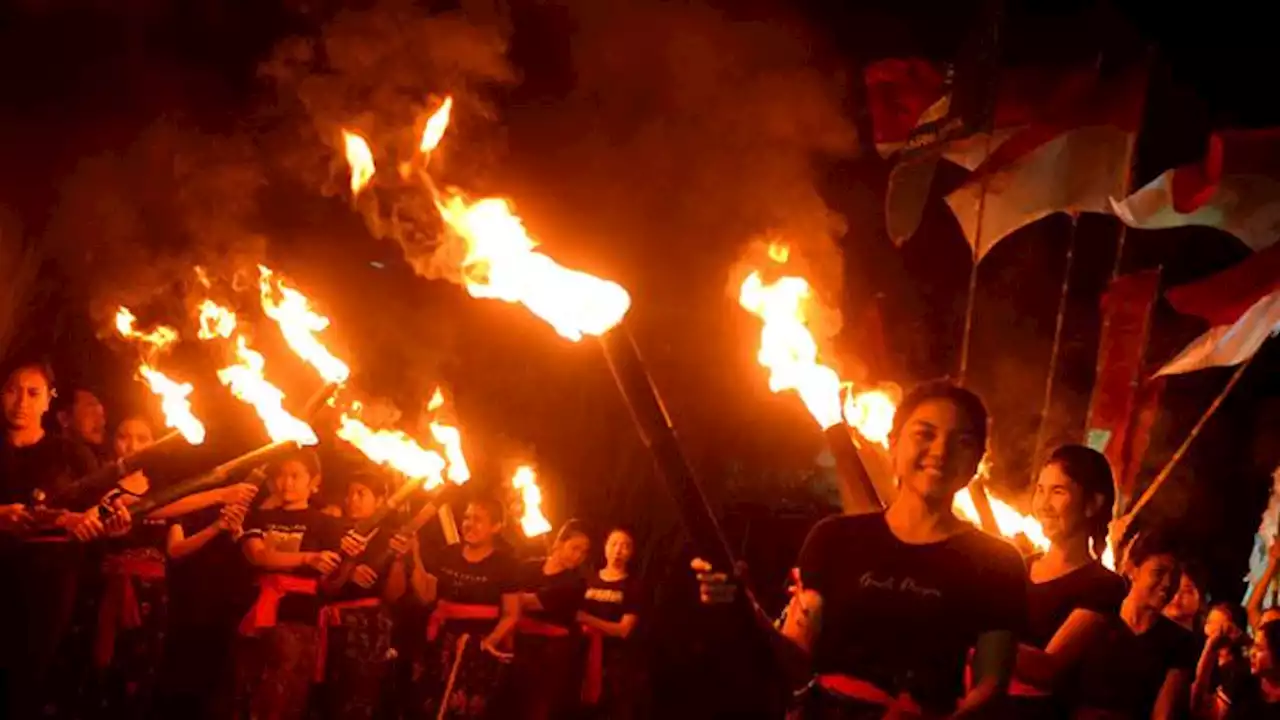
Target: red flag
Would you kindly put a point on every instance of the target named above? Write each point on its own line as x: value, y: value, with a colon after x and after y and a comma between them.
x: 1242, y: 303
x: 899, y: 90
x: 1126, y: 312
x: 1236, y: 189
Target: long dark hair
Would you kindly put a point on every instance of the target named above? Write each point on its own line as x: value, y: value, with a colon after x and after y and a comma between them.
x: 1089, y: 469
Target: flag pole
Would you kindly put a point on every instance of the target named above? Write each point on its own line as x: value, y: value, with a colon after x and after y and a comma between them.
x: 973, y: 273
x: 1051, y: 378
x: 1167, y: 470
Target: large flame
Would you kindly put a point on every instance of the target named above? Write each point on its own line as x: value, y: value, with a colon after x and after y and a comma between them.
x: 246, y: 378
x: 433, y: 133
x: 393, y: 449
x: 532, y: 522
x: 174, y: 396
x: 359, y: 159
x: 501, y: 264
x: 299, y: 323
x: 450, y: 439
x: 870, y: 412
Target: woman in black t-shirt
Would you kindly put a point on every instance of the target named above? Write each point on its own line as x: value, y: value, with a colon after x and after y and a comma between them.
x: 889, y: 604
x: 552, y: 590
x: 474, y: 585
x: 1258, y: 697
x: 1071, y: 595
x: 610, y: 610
x: 1141, y: 665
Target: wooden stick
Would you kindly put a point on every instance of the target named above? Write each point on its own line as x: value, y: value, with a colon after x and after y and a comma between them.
x: 448, y: 525
x: 453, y: 676
x: 1167, y: 470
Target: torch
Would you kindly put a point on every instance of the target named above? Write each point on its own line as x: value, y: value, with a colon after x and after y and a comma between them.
x: 215, y: 478
x: 102, y: 479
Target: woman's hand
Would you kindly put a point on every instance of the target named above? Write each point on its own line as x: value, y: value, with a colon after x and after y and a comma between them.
x: 85, y: 526
x: 353, y: 544
x: 119, y: 522
x: 323, y: 562
x: 713, y: 588
x: 364, y: 576
x: 231, y: 519
x: 14, y: 518
x: 239, y: 494
x: 400, y: 544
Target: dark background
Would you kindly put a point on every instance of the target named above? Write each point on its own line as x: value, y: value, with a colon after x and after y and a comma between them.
x: 646, y: 142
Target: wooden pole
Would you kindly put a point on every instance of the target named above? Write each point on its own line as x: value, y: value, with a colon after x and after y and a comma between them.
x: 1049, y: 380
x: 1167, y: 470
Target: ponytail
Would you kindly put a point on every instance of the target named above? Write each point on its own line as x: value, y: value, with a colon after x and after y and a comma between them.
x: 1089, y: 469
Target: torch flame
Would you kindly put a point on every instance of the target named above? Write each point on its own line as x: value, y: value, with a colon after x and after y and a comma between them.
x: 246, y: 381
x: 215, y: 321
x: 359, y: 159
x: 501, y: 263
x: 393, y: 449
x: 451, y: 440
x: 787, y: 348
x: 533, y: 522
x: 299, y: 324
x: 433, y: 133
x: 174, y: 402
x: 871, y: 413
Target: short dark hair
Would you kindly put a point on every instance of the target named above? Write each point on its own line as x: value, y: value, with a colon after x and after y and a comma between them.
x: 38, y: 364
x: 1153, y: 543
x: 308, y: 457
x: 374, y: 480
x: 570, y: 529
x: 67, y: 396
x: 497, y: 513
x: 965, y: 400
x: 1089, y: 469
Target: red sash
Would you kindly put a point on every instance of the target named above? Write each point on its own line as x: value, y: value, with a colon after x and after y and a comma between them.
x: 446, y: 611
x: 593, y: 673
x: 119, y: 608
x: 530, y: 626
x: 272, y: 589
x: 863, y: 691
x: 331, y: 615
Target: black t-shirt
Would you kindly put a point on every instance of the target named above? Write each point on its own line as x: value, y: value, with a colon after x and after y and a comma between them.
x: 561, y: 594
x: 213, y: 585
x: 51, y: 466
x: 306, y: 530
x: 1124, y: 672
x: 611, y: 599
x: 904, y: 616
x: 1049, y: 604
x: 377, y: 546
x: 473, y: 583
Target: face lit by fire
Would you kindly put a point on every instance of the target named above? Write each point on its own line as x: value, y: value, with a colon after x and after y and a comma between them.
x: 478, y: 525
x: 572, y: 551
x: 1185, y: 604
x: 293, y: 484
x: 1218, y: 621
x: 361, y: 501
x: 936, y: 452
x: 1061, y: 505
x: 26, y: 398
x: 1261, y: 661
x: 1154, y: 581
x: 132, y: 435
x: 86, y: 419
x: 618, y: 549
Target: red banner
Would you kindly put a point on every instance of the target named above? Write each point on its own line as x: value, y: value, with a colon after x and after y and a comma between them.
x: 1112, y: 425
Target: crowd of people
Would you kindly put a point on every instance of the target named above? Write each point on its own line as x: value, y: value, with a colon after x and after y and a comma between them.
x: 257, y: 602
x: 911, y: 612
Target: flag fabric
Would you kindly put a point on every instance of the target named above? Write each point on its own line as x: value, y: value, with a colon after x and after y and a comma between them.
x: 1235, y: 189
x: 1241, y: 303
x: 1075, y: 160
x: 899, y: 91
x: 1126, y: 311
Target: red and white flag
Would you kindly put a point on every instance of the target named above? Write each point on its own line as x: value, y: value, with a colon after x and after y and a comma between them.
x: 1242, y: 303
x: 1075, y: 160
x: 1235, y: 189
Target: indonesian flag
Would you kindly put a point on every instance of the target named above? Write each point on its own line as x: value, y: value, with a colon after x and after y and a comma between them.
x: 1075, y: 160
x: 1235, y: 189
x: 1242, y: 303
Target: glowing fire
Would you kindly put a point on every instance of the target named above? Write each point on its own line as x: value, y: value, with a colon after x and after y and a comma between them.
x: 393, y: 449
x: 433, y: 133
x: 174, y: 402
x: 451, y: 440
x: 247, y: 381
x: 501, y: 264
x: 871, y: 413
x: 359, y: 159
x: 299, y: 323
x: 532, y: 522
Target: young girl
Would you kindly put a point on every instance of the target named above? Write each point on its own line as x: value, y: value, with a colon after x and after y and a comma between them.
x: 1224, y: 664
x: 1072, y: 596
x: 889, y: 604
x: 610, y: 610
x: 1260, y: 698
x: 545, y: 685
x: 285, y: 545
x: 1141, y: 665
x: 474, y: 586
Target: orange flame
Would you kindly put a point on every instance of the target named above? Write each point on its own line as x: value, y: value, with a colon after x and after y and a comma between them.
x: 532, y: 522
x: 299, y: 323
x: 501, y: 264
x: 359, y: 159
x: 174, y: 402
x: 871, y: 413
x: 246, y: 380
x: 450, y: 439
x: 787, y: 347
x: 393, y: 449
x: 433, y: 133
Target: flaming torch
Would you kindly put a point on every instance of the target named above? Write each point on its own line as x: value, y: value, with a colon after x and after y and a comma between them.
x: 532, y: 521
